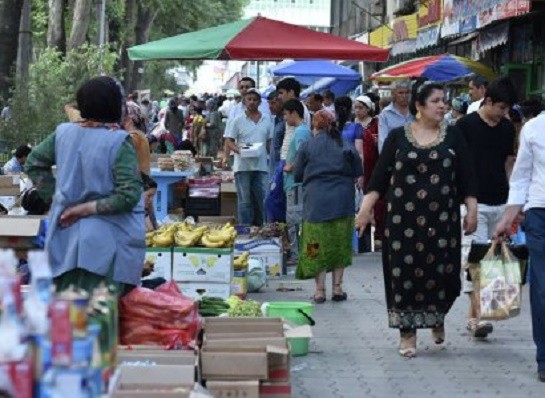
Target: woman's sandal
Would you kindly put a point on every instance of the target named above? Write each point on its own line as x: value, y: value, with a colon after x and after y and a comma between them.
x: 407, y: 344
x: 319, y: 296
x: 339, y: 296
x: 438, y: 334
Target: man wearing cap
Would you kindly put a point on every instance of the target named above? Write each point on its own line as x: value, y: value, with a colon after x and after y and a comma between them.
x: 396, y: 114
x: 251, y: 172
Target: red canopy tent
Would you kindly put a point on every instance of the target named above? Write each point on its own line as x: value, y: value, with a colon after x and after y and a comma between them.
x: 258, y: 38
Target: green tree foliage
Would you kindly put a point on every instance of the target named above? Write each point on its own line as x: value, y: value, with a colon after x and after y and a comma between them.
x: 53, y: 82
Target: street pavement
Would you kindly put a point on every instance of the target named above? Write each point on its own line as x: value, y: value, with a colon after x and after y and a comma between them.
x: 354, y: 354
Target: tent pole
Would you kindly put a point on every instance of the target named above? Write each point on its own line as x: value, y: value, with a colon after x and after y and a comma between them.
x: 258, y: 75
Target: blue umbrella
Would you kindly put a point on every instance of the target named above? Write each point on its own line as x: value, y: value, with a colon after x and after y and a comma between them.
x: 340, y: 79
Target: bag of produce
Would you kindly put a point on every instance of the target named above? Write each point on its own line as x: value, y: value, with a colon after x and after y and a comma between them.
x: 158, y: 317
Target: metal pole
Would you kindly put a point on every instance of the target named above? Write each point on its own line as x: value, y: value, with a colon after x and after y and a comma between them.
x: 101, y: 34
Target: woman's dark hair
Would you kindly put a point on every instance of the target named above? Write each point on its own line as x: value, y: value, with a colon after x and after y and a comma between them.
x: 101, y: 99
x: 289, y: 84
x: 421, y: 91
x: 343, y: 111
x: 503, y: 90
x: 294, y: 105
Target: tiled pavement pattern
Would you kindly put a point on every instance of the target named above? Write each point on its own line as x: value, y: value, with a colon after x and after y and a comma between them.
x: 354, y: 353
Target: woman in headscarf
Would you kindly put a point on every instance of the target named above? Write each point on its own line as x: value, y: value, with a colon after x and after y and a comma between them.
x: 96, y: 223
x: 327, y: 166
x: 213, y: 128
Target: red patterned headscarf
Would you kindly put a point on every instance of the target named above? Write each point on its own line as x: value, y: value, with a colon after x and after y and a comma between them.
x: 322, y: 120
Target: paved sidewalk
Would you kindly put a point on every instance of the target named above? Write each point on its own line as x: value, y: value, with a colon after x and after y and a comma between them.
x: 354, y: 353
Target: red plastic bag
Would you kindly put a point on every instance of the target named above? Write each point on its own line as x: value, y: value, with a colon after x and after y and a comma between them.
x: 158, y: 317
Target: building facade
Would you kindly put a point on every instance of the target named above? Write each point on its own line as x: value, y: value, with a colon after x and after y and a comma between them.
x: 506, y: 35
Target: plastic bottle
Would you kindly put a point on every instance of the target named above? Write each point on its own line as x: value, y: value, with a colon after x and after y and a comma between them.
x: 40, y: 293
x: 10, y: 331
x: 42, y: 279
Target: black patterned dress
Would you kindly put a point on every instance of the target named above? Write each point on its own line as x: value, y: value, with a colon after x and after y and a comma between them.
x: 423, y: 187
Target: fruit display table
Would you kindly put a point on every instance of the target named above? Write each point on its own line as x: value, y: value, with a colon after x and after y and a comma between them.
x: 164, y: 180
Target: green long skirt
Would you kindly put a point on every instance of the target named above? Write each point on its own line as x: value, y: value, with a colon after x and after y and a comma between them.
x: 325, y: 246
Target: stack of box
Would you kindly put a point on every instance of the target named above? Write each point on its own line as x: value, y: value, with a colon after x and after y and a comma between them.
x: 267, y: 250
x: 202, y: 271
x: 168, y: 374
x: 246, y: 357
x: 161, y: 257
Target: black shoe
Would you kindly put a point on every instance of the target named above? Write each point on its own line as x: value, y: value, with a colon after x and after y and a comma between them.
x: 541, y: 375
x: 482, y: 330
x: 339, y: 297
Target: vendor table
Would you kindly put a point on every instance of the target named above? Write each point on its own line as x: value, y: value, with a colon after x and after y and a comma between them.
x: 164, y: 180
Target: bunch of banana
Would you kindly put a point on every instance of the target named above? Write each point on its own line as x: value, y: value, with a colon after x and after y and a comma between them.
x: 222, y: 237
x: 186, y: 237
x: 241, y: 262
x: 163, y: 238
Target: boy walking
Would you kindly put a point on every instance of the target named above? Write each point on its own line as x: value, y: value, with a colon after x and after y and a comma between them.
x: 294, y: 114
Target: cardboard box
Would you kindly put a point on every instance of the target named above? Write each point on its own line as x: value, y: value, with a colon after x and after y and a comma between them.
x: 240, y: 326
x: 233, y: 389
x: 19, y: 232
x: 138, y: 355
x: 9, y: 185
x: 275, y: 390
x: 268, y: 251
x: 236, y: 363
x: 247, y: 334
x: 197, y: 290
x: 162, y: 258
x: 160, y: 381
x: 195, y: 264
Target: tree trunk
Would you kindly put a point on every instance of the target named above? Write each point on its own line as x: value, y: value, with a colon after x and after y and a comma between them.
x: 125, y: 63
x: 145, y: 17
x: 10, y: 16
x: 25, y: 43
x: 80, y: 23
x: 56, y: 37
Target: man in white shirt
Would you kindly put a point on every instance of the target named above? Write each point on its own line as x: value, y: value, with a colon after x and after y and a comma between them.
x: 251, y: 173
x: 477, y: 89
x: 239, y: 108
x: 527, y: 191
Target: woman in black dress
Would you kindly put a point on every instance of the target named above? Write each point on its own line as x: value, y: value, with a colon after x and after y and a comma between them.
x: 424, y: 172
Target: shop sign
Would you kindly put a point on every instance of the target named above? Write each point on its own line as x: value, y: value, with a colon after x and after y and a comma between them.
x: 404, y: 47
x: 429, y: 13
x: 381, y: 37
x: 504, y: 10
x: 451, y: 24
x: 405, y: 28
x: 428, y: 37
x: 468, y: 24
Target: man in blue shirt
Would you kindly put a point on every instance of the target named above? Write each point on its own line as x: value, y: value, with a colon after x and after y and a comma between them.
x: 294, y: 115
x: 16, y: 164
x: 251, y: 171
